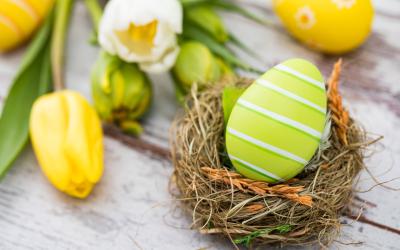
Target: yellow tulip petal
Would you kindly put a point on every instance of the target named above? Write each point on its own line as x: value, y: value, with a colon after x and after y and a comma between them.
x: 95, y: 136
x: 47, y: 129
x: 10, y: 36
x: 21, y: 14
x: 84, y: 137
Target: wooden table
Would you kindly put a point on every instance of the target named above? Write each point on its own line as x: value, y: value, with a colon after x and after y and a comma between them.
x: 132, y: 208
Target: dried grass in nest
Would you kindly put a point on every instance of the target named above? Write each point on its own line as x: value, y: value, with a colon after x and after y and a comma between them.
x: 302, y: 211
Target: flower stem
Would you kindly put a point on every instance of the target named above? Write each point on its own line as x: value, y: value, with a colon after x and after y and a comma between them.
x: 95, y: 11
x: 62, y: 16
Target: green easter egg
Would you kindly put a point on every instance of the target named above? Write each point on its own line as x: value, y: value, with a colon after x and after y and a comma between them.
x: 276, y: 125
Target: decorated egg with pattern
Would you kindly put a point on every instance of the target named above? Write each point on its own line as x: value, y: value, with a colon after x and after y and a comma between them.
x: 276, y: 125
x: 331, y: 26
x: 19, y: 19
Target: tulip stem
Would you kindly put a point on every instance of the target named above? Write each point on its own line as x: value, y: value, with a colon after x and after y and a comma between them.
x: 95, y: 11
x: 62, y: 15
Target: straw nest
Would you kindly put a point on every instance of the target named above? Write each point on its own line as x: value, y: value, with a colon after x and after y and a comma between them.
x: 304, y: 210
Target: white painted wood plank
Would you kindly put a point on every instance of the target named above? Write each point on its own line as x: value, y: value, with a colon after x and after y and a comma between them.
x: 378, y: 119
x: 130, y: 209
x: 356, y: 235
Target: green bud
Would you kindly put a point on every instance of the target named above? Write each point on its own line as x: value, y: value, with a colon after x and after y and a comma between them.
x: 226, y: 70
x: 131, y: 127
x: 196, y: 64
x: 207, y: 19
x: 121, y: 92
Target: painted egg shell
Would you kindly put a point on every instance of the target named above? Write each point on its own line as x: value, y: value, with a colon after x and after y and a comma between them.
x: 276, y: 125
x: 20, y: 19
x: 331, y: 26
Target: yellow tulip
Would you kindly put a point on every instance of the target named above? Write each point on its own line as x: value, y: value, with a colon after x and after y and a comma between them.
x: 67, y: 138
x: 19, y: 20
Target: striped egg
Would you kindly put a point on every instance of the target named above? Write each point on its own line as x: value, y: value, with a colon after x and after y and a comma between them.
x: 19, y: 19
x: 277, y: 124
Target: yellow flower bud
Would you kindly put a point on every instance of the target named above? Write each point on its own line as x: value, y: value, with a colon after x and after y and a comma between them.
x: 19, y: 20
x: 196, y: 64
x: 121, y: 92
x: 67, y: 138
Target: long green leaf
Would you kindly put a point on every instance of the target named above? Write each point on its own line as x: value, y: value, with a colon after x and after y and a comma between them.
x: 235, y: 8
x: 230, y: 95
x: 248, y: 239
x: 187, y: 3
x: 236, y: 42
x: 227, y: 6
x: 32, y: 80
x: 191, y: 31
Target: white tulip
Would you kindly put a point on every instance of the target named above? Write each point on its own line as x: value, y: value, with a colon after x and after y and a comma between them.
x: 142, y: 31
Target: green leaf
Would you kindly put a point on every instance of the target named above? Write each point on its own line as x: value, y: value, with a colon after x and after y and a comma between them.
x: 230, y: 96
x: 191, y: 31
x: 235, y: 41
x: 180, y: 92
x: 246, y: 240
x: 187, y: 3
x: 208, y: 20
x: 96, y: 11
x: 32, y: 80
x: 229, y: 6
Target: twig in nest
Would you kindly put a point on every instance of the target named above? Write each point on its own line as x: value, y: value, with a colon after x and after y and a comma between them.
x: 258, y: 187
x: 340, y: 115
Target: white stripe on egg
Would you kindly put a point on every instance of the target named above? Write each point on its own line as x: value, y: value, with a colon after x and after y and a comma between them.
x: 269, y: 85
x: 267, y: 146
x: 256, y: 168
x: 303, y: 77
x: 280, y: 118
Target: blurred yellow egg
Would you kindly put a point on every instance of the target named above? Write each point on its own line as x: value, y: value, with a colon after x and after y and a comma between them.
x: 40, y: 6
x: 330, y: 26
x: 19, y: 19
x: 9, y: 34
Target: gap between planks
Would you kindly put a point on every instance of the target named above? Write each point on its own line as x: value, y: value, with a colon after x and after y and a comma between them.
x: 136, y: 143
x: 164, y: 153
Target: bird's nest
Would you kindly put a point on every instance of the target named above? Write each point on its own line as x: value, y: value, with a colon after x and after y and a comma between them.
x: 304, y: 210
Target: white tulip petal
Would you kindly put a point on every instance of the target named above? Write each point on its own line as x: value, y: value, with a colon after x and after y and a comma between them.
x: 118, y: 17
x: 165, y: 64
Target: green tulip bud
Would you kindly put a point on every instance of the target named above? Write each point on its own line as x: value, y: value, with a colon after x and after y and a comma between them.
x: 207, y: 19
x: 226, y: 70
x: 121, y: 92
x: 196, y: 64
